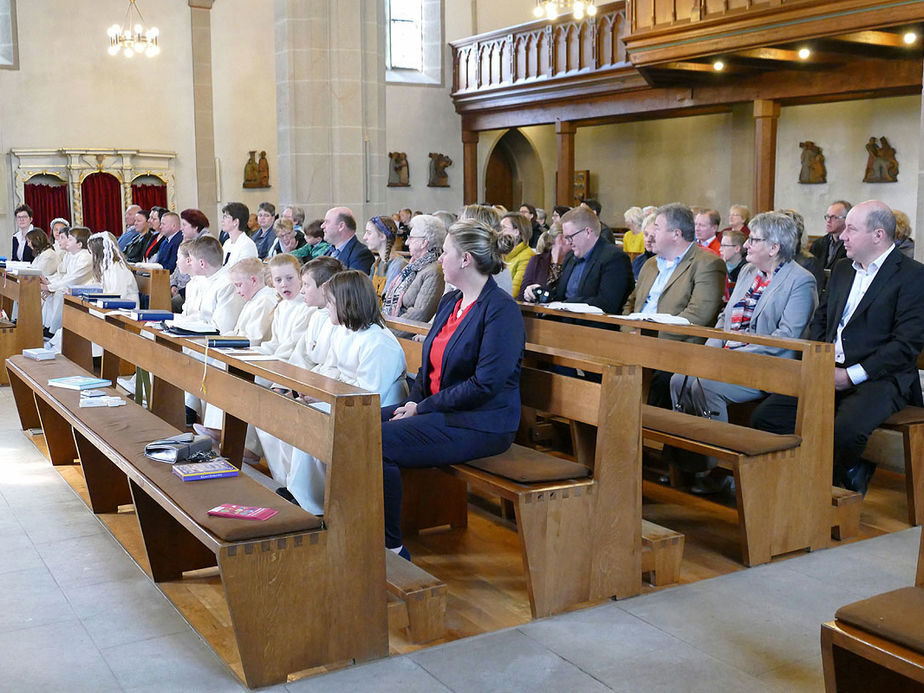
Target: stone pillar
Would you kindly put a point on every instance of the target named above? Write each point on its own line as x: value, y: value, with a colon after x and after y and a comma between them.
x: 203, y: 116
x: 330, y: 96
x: 470, y: 167
x: 766, y: 119
x: 564, y: 193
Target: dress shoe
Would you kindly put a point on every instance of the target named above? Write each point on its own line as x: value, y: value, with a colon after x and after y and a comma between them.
x: 857, y: 477
x: 287, y: 494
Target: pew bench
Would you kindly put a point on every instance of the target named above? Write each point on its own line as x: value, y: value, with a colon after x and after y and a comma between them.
x: 342, y: 612
x: 177, y: 532
x: 783, y: 482
x: 26, y: 332
x: 909, y: 422
x: 877, y: 644
x: 117, y: 333
x: 579, y: 522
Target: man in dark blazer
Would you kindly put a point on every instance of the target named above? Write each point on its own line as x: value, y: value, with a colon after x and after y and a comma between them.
x: 172, y: 237
x: 830, y: 248
x: 340, y: 231
x: 873, y: 312
x: 594, y: 272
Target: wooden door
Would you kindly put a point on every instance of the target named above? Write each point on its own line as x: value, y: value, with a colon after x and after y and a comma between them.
x: 498, y: 180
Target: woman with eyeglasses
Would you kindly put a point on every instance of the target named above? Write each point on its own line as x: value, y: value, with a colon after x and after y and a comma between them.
x: 774, y: 296
x: 416, y: 290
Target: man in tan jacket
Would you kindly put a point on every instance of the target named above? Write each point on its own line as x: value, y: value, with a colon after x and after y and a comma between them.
x: 681, y: 279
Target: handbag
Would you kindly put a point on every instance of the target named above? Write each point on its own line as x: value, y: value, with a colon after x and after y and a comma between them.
x: 692, y: 400
x: 184, y: 446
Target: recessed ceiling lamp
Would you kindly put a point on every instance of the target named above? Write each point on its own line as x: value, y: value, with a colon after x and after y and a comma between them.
x: 550, y: 9
x: 910, y: 37
x: 718, y: 66
x: 804, y: 53
x: 131, y: 37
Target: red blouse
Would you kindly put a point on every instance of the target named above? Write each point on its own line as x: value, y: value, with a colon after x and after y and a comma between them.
x: 438, y: 345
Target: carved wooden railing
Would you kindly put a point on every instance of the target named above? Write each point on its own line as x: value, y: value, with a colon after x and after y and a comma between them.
x: 662, y: 14
x: 540, y: 51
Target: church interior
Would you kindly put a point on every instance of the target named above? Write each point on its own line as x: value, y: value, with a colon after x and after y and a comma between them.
x: 768, y: 104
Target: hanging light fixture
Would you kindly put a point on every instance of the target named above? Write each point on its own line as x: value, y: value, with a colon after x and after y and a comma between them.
x: 551, y: 9
x: 131, y: 37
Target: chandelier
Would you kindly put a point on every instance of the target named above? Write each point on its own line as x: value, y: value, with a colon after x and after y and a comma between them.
x: 132, y: 37
x: 550, y: 9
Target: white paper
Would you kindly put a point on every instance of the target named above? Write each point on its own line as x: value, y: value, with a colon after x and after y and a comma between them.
x: 664, y: 318
x: 575, y: 307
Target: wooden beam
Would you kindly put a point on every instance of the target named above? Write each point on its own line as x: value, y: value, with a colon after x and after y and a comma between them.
x: 469, y: 167
x: 564, y: 193
x: 885, y: 39
x: 766, y: 118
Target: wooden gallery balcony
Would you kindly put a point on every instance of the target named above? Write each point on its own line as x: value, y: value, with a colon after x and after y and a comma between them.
x: 643, y: 59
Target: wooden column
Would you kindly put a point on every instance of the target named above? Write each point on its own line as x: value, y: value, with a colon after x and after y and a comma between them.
x: 766, y: 118
x: 470, y: 167
x: 564, y: 193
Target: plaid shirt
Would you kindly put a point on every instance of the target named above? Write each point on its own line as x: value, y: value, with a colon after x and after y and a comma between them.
x: 744, y: 309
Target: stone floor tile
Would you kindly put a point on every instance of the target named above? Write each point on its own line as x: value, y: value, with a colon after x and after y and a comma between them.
x: 382, y: 676
x: 503, y: 661
x: 30, y: 598
x: 88, y: 560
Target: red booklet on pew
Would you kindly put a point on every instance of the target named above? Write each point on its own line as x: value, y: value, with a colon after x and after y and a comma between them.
x: 242, y: 512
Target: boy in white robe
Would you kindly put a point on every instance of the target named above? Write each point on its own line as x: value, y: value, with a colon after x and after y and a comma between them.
x: 309, y: 351
x: 291, y: 316
x: 78, y: 271
x: 195, y: 285
x: 220, y: 304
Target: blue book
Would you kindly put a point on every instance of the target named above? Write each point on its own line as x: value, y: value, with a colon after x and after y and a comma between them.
x: 84, y: 290
x: 115, y: 303
x: 79, y: 382
x: 151, y: 315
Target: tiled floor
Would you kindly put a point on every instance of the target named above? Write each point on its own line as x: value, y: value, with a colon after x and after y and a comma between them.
x: 76, y: 613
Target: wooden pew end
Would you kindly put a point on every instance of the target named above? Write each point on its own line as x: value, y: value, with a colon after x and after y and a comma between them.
x: 845, y: 513
x: 423, y: 596
x: 662, y: 554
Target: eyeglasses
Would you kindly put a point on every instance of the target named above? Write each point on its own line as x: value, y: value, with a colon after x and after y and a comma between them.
x: 752, y: 240
x: 829, y: 217
x: 570, y: 236
x: 728, y: 245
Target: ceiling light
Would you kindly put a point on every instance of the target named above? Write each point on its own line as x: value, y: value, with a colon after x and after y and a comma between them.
x: 718, y: 66
x: 804, y: 53
x: 550, y: 9
x: 910, y: 37
x: 131, y: 37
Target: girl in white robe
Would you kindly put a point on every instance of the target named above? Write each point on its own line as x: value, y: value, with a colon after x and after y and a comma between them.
x: 110, y: 268
x: 45, y: 258
x: 366, y: 355
x: 292, y: 314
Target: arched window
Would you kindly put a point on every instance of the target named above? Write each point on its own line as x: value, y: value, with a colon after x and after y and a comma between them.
x: 8, y: 51
x: 414, y: 41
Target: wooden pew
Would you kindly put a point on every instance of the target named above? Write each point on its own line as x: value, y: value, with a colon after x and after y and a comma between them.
x: 783, y: 483
x: 910, y: 423
x: 877, y: 644
x: 153, y: 286
x: 335, y: 576
x: 26, y: 332
x: 579, y: 526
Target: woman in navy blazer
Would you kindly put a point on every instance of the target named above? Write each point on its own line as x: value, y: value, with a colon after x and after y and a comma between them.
x: 470, y: 408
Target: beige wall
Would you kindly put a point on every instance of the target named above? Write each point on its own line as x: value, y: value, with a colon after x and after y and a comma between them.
x: 842, y: 130
x: 244, y: 97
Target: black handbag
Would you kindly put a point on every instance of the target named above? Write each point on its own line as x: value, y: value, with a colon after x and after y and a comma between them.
x: 692, y: 400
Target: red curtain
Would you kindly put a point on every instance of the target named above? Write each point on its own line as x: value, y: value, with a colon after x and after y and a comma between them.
x: 102, y: 203
x: 147, y: 196
x: 47, y: 202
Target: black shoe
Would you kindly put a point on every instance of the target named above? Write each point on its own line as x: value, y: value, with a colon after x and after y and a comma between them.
x: 857, y: 478
x: 285, y: 493
x: 191, y: 416
x: 711, y: 484
x: 405, y: 554
x: 46, y: 333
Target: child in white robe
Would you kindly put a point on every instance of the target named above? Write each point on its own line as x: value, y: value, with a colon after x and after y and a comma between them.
x: 78, y: 271
x: 366, y: 355
x: 44, y: 257
x: 220, y: 305
x: 254, y: 323
x: 310, y: 350
x: 110, y: 268
x: 195, y: 285
x: 290, y: 318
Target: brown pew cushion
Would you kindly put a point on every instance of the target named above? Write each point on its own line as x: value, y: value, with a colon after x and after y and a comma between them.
x: 525, y: 465
x: 746, y: 441
x: 897, y: 616
x: 908, y: 415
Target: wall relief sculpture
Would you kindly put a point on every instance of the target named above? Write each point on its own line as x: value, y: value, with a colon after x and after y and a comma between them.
x: 398, y: 171
x: 881, y: 165
x: 813, y: 164
x: 438, y: 165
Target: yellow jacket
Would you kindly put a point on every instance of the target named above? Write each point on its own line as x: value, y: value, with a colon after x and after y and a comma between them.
x: 633, y: 242
x: 517, y: 259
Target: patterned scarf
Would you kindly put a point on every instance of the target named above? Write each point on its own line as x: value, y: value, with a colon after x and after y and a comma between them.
x: 743, y: 310
x: 393, y: 295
